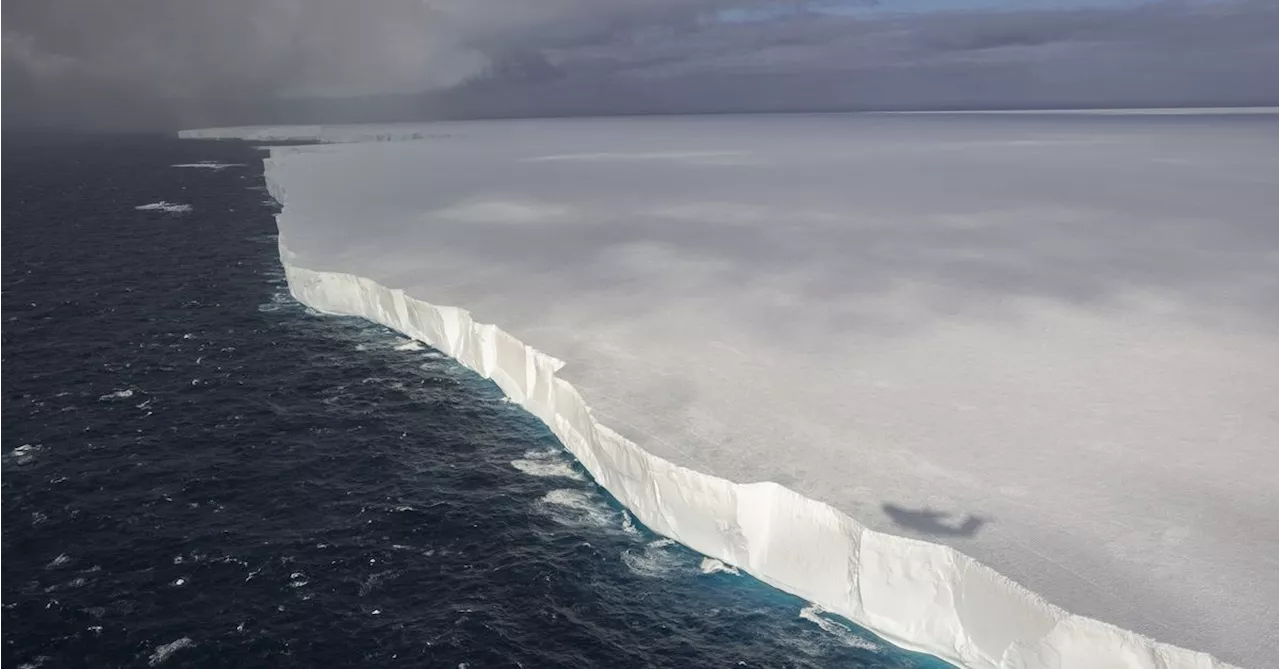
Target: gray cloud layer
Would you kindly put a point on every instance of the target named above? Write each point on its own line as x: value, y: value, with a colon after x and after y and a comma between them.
x: 161, y: 63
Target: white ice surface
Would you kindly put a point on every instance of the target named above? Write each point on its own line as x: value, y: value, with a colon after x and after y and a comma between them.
x: 325, y: 133
x: 1063, y: 325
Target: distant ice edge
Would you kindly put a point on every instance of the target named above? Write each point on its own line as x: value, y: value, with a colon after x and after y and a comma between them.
x: 918, y: 595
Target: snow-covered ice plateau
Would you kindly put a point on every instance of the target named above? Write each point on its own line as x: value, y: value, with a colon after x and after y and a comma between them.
x: 930, y: 372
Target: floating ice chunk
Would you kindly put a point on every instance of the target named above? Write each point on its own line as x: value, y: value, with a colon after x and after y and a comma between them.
x: 163, y: 653
x: 167, y: 207
x: 210, y: 165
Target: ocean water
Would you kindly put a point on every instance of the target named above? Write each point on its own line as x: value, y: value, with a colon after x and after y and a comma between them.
x: 198, y: 471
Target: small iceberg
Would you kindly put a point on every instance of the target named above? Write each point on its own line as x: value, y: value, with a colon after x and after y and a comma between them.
x: 167, y: 207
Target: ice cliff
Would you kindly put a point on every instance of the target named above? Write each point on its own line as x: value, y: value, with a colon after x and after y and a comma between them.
x: 919, y: 595
x: 1070, y: 338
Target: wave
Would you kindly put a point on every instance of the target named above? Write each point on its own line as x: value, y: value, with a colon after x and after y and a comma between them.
x: 813, y: 613
x: 714, y: 566
x: 547, y: 469
x: 163, y: 652
x: 576, y: 507
x: 652, y: 561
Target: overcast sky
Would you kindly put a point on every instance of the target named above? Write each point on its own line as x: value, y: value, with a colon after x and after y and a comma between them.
x: 167, y: 63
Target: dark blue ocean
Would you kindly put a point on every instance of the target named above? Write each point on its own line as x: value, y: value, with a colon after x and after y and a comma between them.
x: 199, y: 472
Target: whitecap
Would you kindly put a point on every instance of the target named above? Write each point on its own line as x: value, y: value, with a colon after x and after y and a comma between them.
x: 653, y: 561
x: 58, y: 561
x: 409, y: 345
x: 843, y: 633
x: 24, y: 454
x: 163, y: 652
x: 167, y: 207
x: 547, y: 469
x: 575, y: 507
x: 714, y: 566
x: 118, y: 394
x: 278, y: 301
x: 629, y: 525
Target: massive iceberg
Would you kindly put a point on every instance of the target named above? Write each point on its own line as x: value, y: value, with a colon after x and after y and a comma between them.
x: 1040, y: 347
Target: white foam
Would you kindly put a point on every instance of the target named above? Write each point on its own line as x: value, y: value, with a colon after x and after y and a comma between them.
x: 813, y: 613
x: 652, y: 561
x: 629, y: 525
x: 24, y: 453
x: 117, y: 394
x: 167, y: 207
x: 409, y: 345
x: 58, y: 561
x: 575, y: 507
x: 547, y: 469
x: 165, y: 651
x: 714, y: 566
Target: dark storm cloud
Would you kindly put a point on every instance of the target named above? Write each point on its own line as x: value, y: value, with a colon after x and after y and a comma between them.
x: 156, y: 62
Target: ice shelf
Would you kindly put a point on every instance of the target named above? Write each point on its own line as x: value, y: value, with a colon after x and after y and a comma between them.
x: 1042, y: 342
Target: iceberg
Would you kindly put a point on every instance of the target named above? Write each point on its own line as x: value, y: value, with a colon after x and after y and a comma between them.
x: 311, y: 133
x: 928, y: 373
x: 167, y: 207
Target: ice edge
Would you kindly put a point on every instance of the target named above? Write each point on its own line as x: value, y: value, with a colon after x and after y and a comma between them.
x: 918, y: 595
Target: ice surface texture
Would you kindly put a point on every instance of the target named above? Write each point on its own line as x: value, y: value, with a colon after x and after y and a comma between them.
x: 1045, y: 342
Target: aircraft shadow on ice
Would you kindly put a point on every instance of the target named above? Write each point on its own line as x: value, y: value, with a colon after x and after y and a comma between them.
x: 930, y: 521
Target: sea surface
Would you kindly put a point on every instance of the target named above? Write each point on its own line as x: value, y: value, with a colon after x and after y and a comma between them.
x: 200, y: 472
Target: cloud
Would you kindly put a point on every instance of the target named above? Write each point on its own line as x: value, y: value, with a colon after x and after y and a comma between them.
x: 523, y: 57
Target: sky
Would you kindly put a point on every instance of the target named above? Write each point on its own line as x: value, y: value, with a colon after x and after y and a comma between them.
x: 152, y: 64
